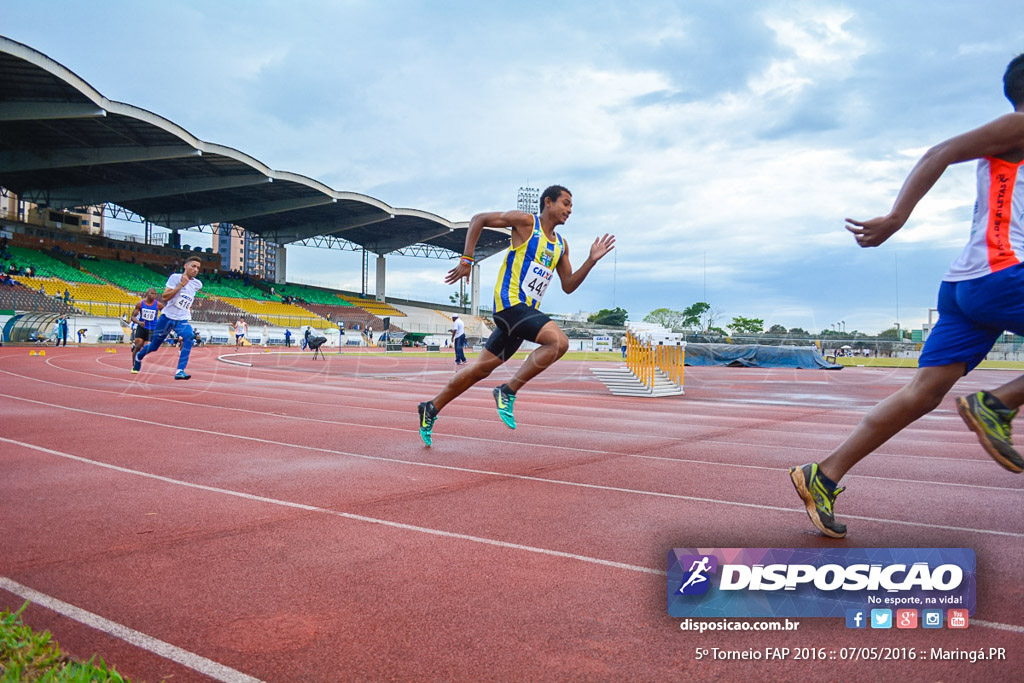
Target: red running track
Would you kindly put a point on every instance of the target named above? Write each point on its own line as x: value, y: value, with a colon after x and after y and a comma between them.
x: 284, y: 522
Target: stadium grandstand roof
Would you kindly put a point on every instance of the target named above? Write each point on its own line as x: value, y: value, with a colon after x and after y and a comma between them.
x: 64, y: 145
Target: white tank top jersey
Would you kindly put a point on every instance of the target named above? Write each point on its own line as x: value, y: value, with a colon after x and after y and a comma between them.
x: 997, y: 236
x: 180, y: 307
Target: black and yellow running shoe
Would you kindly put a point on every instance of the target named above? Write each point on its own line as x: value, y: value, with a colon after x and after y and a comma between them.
x: 428, y: 414
x: 990, y: 420
x: 817, y: 499
x: 505, y: 400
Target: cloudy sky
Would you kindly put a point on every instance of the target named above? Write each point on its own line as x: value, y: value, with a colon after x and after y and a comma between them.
x: 722, y: 143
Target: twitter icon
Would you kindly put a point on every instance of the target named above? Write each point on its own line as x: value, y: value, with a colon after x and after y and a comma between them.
x: 881, y: 618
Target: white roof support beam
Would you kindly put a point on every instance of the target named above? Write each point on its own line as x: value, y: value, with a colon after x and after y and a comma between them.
x: 237, y: 213
x: 386, y: 246
x: 34, y: 111
x: 87, y: 195
x: 36, y: 160
x: 331, y: 226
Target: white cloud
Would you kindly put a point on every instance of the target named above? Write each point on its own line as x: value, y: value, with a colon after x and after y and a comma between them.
x: 752, y: 155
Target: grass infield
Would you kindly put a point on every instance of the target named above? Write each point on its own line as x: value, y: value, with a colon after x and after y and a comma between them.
x: 29, y: 656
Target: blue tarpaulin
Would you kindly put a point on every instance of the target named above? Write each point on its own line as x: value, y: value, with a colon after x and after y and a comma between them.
x: 757, y: 356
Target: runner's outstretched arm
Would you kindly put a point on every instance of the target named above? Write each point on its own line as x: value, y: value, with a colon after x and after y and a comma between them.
x: 994, y: 138
x: 572, y: 280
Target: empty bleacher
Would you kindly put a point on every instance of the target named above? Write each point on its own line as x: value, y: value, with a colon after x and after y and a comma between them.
x: 277, y: 313
x: 231, y: 288
x: 110, y: 286
x: 89, y: 298
x: 45, y: 265
x: 213, y: 310
x: 130, y: 276
x: 377, y: 308
x: 310, y: 295
x: 351, y: 316
x: 28, y: 300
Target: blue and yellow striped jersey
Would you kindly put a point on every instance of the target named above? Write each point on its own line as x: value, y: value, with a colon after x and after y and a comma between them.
x: 527, y: 270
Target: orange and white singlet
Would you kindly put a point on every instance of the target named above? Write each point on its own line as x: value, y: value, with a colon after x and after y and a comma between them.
x: 997, y: 236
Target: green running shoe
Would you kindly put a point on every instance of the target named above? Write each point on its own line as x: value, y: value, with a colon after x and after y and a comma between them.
x: 427, y: 417
x: 817, y: 499
x: 992, y: 425
x: 505, y: 400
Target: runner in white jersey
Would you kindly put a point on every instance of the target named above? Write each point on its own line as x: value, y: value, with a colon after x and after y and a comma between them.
x: 981, y: 295
x: 241, y: 329
x: 178, y: 297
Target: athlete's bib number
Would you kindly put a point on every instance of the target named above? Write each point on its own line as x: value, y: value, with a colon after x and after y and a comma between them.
x: 148, y: 314
x: 184, y: 302
x: 537, y: 281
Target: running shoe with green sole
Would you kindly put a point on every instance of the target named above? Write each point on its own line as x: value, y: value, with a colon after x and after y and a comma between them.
x: 992, y: 425
x: 817, y: 499
x: 505, y: 401
x: 427, y: 417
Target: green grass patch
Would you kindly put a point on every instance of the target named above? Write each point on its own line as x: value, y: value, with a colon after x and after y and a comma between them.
x: 29, y: 656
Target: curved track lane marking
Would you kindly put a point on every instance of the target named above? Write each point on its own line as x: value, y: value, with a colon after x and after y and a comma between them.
x: 744, y: 423
x: 502, y: 475
x: 575, y: 449
x: 140, y: 640
x: 398, y: 525
x: 709, y: 438
x: 344, y: 515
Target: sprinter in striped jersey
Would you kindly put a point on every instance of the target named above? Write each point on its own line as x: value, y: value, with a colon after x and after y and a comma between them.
x: 536, y: 253
x: 981, y: 295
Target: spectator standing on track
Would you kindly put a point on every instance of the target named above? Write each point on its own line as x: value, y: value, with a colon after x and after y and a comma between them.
x: 287, y: 338
x: 980, y: 296
x: 144, y: 317
x: 81, y: 333
x: 178, y: 295
x: 536, y: 253
x: 459, y: 340
x: 241, y: 329
x: 305, y: 338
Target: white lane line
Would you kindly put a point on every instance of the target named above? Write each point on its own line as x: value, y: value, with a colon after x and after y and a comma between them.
x: 226, y: 358
x: 502, y: 475
x: 698, y: 421
x: 150, y: 644
x: 398, y: 525
x: 575, y: 449
x: 345, y: 515
x: 1013, y: 628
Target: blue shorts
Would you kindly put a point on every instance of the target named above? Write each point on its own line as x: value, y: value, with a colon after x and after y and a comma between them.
x: 972, y: 315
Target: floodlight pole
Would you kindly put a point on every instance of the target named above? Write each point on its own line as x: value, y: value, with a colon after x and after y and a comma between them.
x: 366, y: 266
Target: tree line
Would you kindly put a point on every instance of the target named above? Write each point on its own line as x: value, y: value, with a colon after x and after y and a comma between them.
x: 701, y: 317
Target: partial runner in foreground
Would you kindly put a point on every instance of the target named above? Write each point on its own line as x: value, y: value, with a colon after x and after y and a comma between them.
x: 980, y: 296
x: 537, y: 252
x: 179, y: 293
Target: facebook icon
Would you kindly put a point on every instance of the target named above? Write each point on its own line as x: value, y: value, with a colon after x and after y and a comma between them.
x: 856, y: 618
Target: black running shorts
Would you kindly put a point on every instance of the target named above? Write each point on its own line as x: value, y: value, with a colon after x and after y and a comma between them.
x: 142, y: 333
x: 514, y: 326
